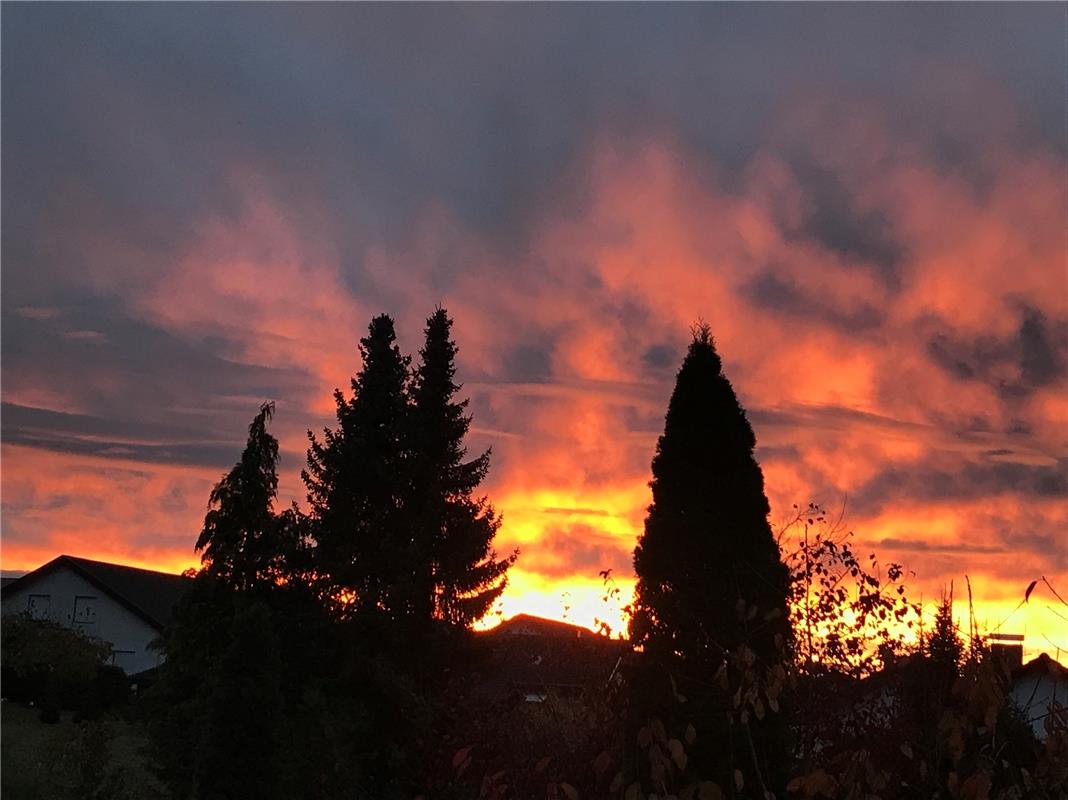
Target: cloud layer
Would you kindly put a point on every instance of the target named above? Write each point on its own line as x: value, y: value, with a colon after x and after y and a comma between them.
x: 204, y: 205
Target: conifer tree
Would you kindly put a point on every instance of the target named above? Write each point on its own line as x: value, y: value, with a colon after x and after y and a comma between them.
x: 710, y: 600
x: 458, y: 572
x: 709, y: 571
x: 944, y: 646
x: 358, y: 485
x: 243, y: 542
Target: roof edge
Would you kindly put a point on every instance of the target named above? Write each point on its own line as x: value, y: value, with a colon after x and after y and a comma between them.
x: 72, y: 563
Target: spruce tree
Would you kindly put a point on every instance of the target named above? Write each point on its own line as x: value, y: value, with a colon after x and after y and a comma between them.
x: 457, y: 571
x: 243, y: 542
x: 358, y: 484
x: 710, y: 576
x: 944, y: 649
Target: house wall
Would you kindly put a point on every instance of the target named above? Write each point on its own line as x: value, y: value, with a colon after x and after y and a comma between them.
x: 65, y: 597
x: 1035, y: 695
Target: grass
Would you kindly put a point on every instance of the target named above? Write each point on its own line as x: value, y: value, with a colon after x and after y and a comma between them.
x: 35, y: 758
x: 67, y: 761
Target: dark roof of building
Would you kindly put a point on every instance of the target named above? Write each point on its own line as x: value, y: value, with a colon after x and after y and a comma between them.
x: 529, y: 653
x: 149, y: 594
x: 528, y: 625
x: 1041, y: 665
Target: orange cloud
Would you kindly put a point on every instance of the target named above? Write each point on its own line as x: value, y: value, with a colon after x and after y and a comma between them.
x: 881, y: 347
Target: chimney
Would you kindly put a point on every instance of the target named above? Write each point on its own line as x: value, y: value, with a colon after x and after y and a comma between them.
x: 1007, y: 648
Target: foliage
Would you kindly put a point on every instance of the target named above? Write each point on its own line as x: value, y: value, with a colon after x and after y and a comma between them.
x: 568, y: 744
x: 53, y: 666
x: 851, y: 616
x: 238, y: 753
x: 357, y: 486
x: 104, y: 759
x: 711, y: 595
x: 963, y: 739
x: 109, y: 759
x: 244, y: 543
x: 707, y: 545
x: 399, y: 531
x: 944, y: 647
x: 267, y: 690
x: 732, y: 719
x: 452, y: 546
x: 178, y: 705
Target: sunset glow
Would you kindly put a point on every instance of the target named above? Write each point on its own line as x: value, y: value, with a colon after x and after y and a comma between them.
x: 883, y: 263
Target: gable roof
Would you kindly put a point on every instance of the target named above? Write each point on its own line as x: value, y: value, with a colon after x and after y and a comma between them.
x: 529, y: 625
x: 528, y: 653
x: 149, y: 594
x: 1041, y: 665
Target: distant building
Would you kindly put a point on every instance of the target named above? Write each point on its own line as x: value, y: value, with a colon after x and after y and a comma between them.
x: 531, y: 657
x: 1040, y: 690
x: 125, y: 607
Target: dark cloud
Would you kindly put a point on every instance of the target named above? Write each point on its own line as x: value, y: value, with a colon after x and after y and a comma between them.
x: 1050, y: 548
x: 459, y: 142
x: 1036, y: 356
x: 944, y: 548
x: 661, y: 357
x: 836, y: 220
x: 577, y: 549
x: 141, y: 392
x: 584, y: 512
x: 79, y: 434
x: 529, y: 363
x: 1043, y: 352
x: 376, y: 113
x: 771, y: 291
x: 970, y: 481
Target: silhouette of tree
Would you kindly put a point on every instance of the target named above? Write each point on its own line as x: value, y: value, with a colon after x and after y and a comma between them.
x: 357, y: 488
x: 239, y: 752
x: 709, y: 572
x: 459, y: 573
x: 244, y: 543
x: 944, y: 646
x: 710, y: 601
x: 850, y: 614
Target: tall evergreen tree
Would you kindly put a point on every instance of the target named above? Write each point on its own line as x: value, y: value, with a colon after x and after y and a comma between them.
x: 710, y: 600
x: 243, y: 542
x: 710, y: 576
x: 358, y: 484
x: 458, y: 573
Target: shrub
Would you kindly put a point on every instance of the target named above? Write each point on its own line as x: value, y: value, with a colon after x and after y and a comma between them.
x: 49, y: 664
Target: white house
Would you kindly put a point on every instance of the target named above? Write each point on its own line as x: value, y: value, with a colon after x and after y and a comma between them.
x: 1040, y: 689
x: 123, y: 606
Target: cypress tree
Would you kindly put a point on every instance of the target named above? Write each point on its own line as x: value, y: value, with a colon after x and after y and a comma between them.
x: 244, y: 543
x: 357, y: 484
x: 457, y: 571
x: 711, y: 590
x: 709, y: 571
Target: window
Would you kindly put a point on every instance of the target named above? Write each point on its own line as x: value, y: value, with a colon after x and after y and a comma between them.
x: 84, y: 609
x: 39, y: 606
x: 123, y: 658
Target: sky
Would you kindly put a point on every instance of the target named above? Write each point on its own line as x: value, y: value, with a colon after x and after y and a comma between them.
x: 204, y: 205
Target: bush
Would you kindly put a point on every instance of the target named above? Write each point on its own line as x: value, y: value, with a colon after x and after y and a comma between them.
x: 48, y: 664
